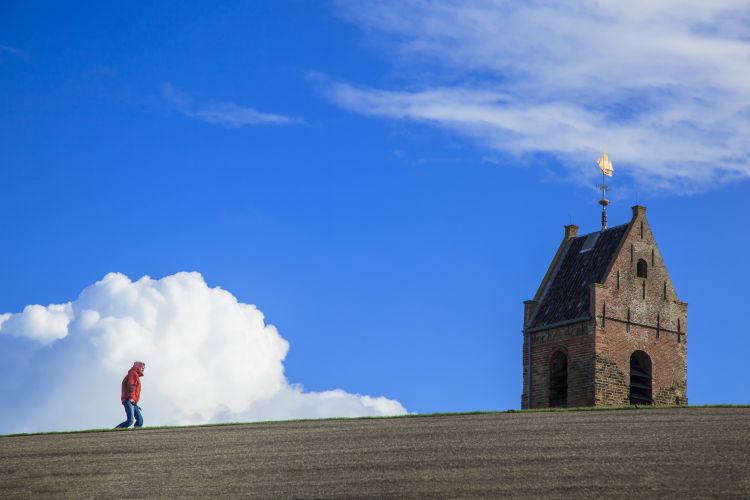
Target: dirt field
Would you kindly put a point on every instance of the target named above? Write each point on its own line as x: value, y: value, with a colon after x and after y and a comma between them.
x: 633, y: 453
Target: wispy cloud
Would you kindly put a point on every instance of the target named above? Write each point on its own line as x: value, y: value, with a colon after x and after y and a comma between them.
x: 228, y: 114
x: 663, y: 85
x: 6, y: 50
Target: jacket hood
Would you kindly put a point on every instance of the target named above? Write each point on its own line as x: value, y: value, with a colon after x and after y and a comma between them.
x: 138, y: 367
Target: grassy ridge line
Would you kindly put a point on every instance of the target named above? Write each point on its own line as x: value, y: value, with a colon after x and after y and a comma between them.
x: 408, y: 415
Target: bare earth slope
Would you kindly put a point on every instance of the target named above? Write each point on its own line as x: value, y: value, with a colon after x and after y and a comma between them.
x: 698, y: 452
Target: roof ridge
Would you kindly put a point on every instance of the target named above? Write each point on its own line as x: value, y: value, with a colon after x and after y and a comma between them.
x: 600, y: 231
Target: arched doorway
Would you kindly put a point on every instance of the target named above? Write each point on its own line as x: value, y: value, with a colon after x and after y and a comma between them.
x: 640, y: 378
x: 558, y: 379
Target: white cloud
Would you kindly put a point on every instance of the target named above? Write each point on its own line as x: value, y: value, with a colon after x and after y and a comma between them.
x: 209, y: 358
x: 222, y: 113
x: 44, y: 324
x: 663, y: 85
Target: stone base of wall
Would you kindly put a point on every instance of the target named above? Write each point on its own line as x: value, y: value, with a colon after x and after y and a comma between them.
x: 599, y: 365
x: 674, y: 395
x: 611, y: 387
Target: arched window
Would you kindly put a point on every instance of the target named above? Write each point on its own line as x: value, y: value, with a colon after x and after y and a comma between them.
x: 558, y: 379
x: 640, y: 379
x: 641, y: 269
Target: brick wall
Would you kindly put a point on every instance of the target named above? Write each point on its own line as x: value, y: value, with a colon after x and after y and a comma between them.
x: 577, y: 341
x: 614, y: 347
x: 627, y: 321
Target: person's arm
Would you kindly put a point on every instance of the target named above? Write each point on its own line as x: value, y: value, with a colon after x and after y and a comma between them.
x: 130, y: 384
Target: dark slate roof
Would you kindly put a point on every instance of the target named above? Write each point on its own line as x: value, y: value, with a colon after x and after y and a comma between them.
x: 566, y: 296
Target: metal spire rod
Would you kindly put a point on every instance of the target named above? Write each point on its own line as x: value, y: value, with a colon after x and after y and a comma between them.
x: 604, y: 202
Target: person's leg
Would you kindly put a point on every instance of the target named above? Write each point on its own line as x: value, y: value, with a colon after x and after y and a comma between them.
x: 138, y: 416
x: 128, y: 413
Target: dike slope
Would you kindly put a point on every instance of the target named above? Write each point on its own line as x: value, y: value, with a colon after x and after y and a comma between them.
x: 688, y: 452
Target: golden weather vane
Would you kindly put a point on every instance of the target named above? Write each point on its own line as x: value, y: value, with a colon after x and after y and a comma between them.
x: 606, y: 167
x: 604, y: 164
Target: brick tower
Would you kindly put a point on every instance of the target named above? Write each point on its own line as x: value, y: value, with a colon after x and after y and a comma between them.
x: 605, y: 326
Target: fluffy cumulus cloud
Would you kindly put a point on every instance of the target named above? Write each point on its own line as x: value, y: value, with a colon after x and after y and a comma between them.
x: 209, y: 358
x: 663, y: 85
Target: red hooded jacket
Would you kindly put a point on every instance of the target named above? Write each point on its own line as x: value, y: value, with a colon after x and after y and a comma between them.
x: 131, y: 384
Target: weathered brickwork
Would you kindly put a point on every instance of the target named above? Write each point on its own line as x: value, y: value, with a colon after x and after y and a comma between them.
x: 612, y: 383
x: 668, y: 357
x: 577, y: 341
x: 633, y: 307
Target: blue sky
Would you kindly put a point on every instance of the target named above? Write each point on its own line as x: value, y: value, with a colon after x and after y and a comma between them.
x: 385, y: 182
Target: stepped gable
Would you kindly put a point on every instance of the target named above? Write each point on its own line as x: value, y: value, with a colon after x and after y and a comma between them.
x: 566, y: 296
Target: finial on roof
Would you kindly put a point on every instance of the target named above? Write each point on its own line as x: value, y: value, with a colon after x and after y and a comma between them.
x: 606, y: 167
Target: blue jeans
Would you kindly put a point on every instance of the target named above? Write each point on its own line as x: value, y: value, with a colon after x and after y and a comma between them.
x: 130, y: 408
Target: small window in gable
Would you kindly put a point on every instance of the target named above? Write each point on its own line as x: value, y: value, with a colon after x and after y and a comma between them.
x: 641, y: 269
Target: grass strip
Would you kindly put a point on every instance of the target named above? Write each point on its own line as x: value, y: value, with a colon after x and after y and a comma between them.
x: 408, y: 415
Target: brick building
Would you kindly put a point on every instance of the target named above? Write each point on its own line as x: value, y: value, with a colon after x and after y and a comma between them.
x: 605, y: 326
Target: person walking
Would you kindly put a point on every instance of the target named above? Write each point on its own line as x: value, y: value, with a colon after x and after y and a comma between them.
x: 130, y: 394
